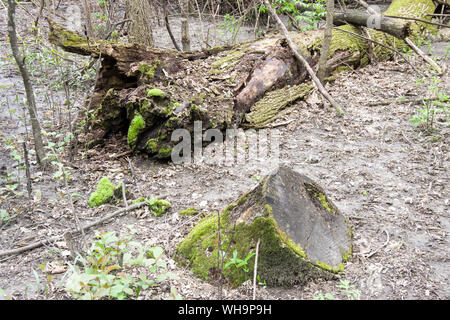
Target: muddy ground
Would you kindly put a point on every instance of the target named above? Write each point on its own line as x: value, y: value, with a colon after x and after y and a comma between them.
x: 386, y: 175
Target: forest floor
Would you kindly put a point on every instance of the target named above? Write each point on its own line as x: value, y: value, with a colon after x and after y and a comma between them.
x: 387, y: 176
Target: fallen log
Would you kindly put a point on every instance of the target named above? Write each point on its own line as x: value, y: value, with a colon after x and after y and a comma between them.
x: 148, y: 93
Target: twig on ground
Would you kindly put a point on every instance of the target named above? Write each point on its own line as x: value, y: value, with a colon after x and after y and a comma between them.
x: 58, y: 237
x: 255, y: 270
x: 124, y: 195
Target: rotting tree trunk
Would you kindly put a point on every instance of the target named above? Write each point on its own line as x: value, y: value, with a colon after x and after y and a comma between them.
x: 249, y: 84
x: 303, y: 234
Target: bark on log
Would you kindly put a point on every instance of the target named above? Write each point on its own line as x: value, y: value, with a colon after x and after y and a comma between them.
x: 147, y: 93
x: 303, y: 234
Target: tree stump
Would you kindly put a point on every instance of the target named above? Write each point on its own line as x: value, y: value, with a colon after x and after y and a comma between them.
x: 303, y: 234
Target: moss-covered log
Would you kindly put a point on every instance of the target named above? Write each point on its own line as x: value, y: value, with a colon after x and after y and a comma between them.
x: 223, y: 86
x: 303, y: 234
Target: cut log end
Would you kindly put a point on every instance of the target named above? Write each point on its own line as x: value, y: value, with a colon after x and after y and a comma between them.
x: 303, y: 234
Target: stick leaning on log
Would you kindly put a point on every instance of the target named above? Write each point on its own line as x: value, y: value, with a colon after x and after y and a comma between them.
x: 296, y: 53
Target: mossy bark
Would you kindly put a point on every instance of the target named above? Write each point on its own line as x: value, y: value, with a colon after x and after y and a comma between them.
x: 303, y: 234
x: 224, y: 86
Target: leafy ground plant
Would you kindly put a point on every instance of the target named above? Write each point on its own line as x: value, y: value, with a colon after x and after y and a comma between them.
x: 237, y: 262
x: 344, y: 287
x: 109, y: 269
x: 425, y: 117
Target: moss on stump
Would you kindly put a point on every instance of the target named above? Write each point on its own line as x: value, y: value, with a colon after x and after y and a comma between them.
x: 303, y: 234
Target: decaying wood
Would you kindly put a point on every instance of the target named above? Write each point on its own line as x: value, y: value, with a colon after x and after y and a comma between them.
x: 382, y: 45
x: 296, y: 52
x: 248, y: 85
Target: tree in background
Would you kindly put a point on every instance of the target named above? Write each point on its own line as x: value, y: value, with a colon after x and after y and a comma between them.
x: 31, y: 101
x: 326, y: 41
x: 140, y: 29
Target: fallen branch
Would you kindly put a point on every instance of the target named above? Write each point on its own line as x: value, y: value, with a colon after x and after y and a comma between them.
x: 58, y: 237
x: 255, y: 270
x: 399, y: 100
x: 296, y: 53
x: 420, y: 20
x: 423, y: 55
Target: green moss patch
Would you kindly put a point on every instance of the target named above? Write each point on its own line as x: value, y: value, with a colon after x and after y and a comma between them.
x: 155, y: 92
x: 156, y: 206
x: 188, y: 212
x: 271, y: 106
x: 136, y: 127
x: 104, y: 193
x: 148, y: 70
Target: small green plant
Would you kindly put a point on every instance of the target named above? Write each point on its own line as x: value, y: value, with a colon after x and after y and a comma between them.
x: 344, y: 287
x: 425, y: 117
x: 106, y: 272
x: 13, y: 178
x: 5, y: 216
x: 326, y: 296
x: 348, y: 289
x: 261, y: 283
x: 237, y: 262
x: 309, y: 18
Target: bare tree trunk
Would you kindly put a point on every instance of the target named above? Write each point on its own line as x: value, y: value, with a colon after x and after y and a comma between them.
x: 166, y: 21
x: 324, y: 51
x: 20, y: 59
x: 140, y: 29
x: 87, y: 12
x: 185, y: 38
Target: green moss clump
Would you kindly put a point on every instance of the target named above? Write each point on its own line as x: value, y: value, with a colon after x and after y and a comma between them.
x: 173, y: 123
x: 164, y: 152
x: 157, y: 206
x: 324, y: 266
x: 152, y: 145
x: 103, y: 194
x: 136, y: 126
x: 283, y: 262
x: 271, y: 106
x: 188, y: 212
x: 148, y: 70
x: 156, y: 93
